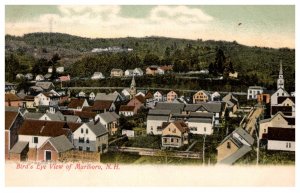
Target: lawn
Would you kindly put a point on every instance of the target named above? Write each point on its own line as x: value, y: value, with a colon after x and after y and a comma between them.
x: 148, y: 141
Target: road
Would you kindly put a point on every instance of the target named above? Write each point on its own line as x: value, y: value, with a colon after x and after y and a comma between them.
x: 254, y: 114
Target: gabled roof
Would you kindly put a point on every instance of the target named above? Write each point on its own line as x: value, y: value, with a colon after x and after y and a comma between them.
x: 11, y: 108
x: 236, y: 155
x: 290, y: 120
x: 10, y: 118
x: 245, y: 135
x: 35, y: 116
x: 74, y: 103
x: 148, y: 95
x: 46, y: 128
x: 203, y: 91
x: 140, y: 98
x: 11, y: 97
x: 109, y: 117
x: 98, y: 129
x: 19, y: 147
x: 85, y: 114
x: 126, y: 108
x: 159, y: 112
x: 210, y: 107
x: 44, y: 85
x: 174, y: 107
x: 101, y: 105
x: 116, y: 70
x: 61, y: 143
x: 180, y: 125
x: 281, y: 134
x: 106, y: 97
x: 201, y: 115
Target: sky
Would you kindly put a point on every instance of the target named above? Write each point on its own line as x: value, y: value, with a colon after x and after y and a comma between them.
x: 253, y: 25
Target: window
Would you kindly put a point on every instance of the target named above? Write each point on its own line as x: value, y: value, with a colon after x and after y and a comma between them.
x: 80, y: 148
x: 174, y: 131
x: 172, y: 140
x: 288, y: 145
x: 35, y: 140
x: 87, y: 140
x: 177, y: 140
x: 81, y: 130
x: 151, y: 127
x: 86, y: 131
x: 204, y: 129
x: 282, y: 94
x: 228, y: 145
x: 265, y: 131
x: 165, y: 140
x: 277, y: 94
x: 88, y: 149
x: 81, y: 139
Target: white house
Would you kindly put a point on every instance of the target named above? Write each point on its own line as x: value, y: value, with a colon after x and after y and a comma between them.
x: 201, y: 123
x: 46, y: 99
x: 126, y: 92
x: 158, y: 97
x: 160, y: 71
x: 126, y: 110
x: 279, y: 93
x: 155, y: 120
x: 253, y: 91
x: 138, y: 72
x: 39, y: 77
x: 128, y: 72
x: 110, y: 120
x: 29, y: 76
x: 91, y: 137
x: 97, y: 76
x: 50, y: 69
x: 215, y: 96
x: 81, y: 94
x: 60, y: 69
x: 92, y: 96
x: 128, y: 133
x: 19, y: 76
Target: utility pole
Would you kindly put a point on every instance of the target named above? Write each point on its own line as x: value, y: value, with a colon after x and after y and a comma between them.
x: 203, y: 149
x: 257, y: 141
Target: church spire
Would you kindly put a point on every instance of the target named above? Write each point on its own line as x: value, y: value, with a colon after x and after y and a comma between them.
x: 280, y: 80
x: 132, y: 88
x: 133, y: 84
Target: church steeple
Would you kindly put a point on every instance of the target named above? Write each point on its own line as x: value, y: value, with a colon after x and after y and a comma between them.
x: 280, y: 80
x: 132, y: 88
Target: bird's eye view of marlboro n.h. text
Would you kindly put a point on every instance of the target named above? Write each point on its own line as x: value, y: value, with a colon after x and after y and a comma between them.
x: 149, y: 95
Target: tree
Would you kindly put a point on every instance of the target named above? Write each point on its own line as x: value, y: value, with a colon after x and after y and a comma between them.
x: 151, y: 59
x: 12, y: 67
x: 211, y: 68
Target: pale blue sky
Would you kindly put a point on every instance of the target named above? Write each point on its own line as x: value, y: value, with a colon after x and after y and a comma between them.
x: 271, y: 26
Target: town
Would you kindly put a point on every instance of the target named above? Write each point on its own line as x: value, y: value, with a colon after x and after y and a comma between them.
x: 57, y: 123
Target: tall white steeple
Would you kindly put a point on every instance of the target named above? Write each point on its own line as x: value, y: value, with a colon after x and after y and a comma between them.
x: 280, y: 80
x: 132, y: 88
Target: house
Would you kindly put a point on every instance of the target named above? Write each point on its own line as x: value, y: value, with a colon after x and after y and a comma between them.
x: 92, y: 136
x: 281, y: 139
x: 10, y: 88
x: 116, y: 72
x: 81, y: 94
x: 126, y: 110
x: 58, y: 116
x: 39, y: 77
x: 215, y: 96
x: 115, y: 97
x: 128, y: 133
x: 29, y: 76
x: 138, y: 72
x: 97, y: 76
x: 171, y: 96
x: 253, y: 91
x: 138, y: 102
x: 126, y: 93
x: 166, y: 68
x: 231, y: 104
x: 13, y: 100
x: 153, y: 70
x: 77, y: 104
x: 201, y: 96
x: 19, y: 151
x: 54, y: 149
x: 279, y: 120
x: 110, y: 120
x: 13, y: 121
x: 46, y: 86
x: 47, y: 76
x: 285, y: 110
x: 175, y: 134
x: 33, y: 116
x: 50, y: 69
x: 46, y: 99
x: 92, y: 96
x: 65, y: 78
x: 128, y: 73
x: 86, y: 116
x: 37, y: 132
x: 20, y: 76
x: 201, y: 123
x: 155, y: 119
x: 158, y: 97
x: 279, y: 93
x: 265, y: 97
x: 233, y: 75
x: 287, y: 101
x: 60, y: 69
x: 212, y: 107
x: 175, y: 108
x: 28, y: 102
x: 101, y: 106
x: 150, y: 101
x: 234, y: 146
